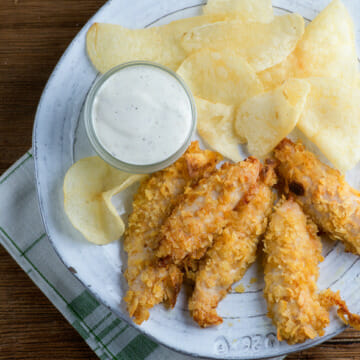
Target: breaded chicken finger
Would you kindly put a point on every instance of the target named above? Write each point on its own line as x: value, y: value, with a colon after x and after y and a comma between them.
x: 233, y: 251
x: 322, y: 192
x: 292, y: 253
x: 190, y: 228
x: 149, y: 283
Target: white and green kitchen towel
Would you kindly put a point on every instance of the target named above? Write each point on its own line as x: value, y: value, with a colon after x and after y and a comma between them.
x: 23, y: 236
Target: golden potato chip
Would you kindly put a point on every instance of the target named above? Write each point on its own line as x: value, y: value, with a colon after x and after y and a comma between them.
x: 110, y: 45
x: 220, y: 77
x: 262, y: 45
x: 331, y: 120
x: 276, y: 75
x: 328, y: 46
x: 88, y: 188
x: 246, y: 10
x: 266, y: 119
x: 326, y: 49
x: 215, y: 124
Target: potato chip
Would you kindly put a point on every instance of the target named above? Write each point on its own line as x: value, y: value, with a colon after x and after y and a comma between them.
x: 328, y: 46
x: 88, y: 188
x: 215, y: 124
x: 245, y: 10
x: 276, y: 75
x: 262, y: 45
x: 331, y: 120
x: 220, y: 77
x: 326, y: 49
x: 266, y: 119
x: 110, y: 45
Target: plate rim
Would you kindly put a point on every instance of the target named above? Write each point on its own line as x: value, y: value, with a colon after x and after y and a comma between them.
x: 299, y: 347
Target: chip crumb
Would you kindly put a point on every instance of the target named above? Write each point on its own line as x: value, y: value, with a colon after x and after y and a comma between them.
x: 240, y: 288
x: 253, y: 280
x: 230, y: 324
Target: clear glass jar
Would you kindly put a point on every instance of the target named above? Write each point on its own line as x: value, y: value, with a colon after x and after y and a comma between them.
x: 104, y: 153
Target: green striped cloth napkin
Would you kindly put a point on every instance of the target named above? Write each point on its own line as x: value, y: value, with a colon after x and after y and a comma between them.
x: 26, y: 241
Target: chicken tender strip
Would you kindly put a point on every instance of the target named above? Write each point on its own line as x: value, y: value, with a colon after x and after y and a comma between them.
x: 233, y: 251
x: 149, y: 283
x: 292, y: 253
x: 322, y: 192
x: 190, y: 228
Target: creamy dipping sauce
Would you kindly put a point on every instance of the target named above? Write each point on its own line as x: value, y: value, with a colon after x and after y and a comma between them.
x: 142, y: 115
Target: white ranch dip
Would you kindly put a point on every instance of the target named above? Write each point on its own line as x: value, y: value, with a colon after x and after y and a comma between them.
x: 142, y: 115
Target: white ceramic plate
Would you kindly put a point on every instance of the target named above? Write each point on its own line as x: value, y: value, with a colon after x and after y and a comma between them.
x: 60, y: 140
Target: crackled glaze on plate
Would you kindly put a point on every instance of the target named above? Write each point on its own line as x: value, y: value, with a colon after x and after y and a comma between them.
x: 60, y: 140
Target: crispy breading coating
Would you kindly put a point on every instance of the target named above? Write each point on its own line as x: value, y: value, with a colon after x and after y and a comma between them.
x: 292, y: 253
x: 322, y: 192
x: 330, y: 298
x: 149, y: 283
x: 233, y: 251
x: 191, y: 267
x: 190, y: 228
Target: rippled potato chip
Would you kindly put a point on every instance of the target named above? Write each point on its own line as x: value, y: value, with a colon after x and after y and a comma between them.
x: 266, y: 119
x: 223, y: 77
x: 215, y: 124
x: 328, y: 46
x: 109, y: 45
x: 88, y: 187
x: 331, y: 120
x: 246, y: 10
x: 262, y: 45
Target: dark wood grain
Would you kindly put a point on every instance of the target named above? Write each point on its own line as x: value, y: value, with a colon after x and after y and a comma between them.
x: 30, y: 326
x: 33, y: 35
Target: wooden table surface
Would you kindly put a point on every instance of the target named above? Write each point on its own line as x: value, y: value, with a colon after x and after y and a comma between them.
x: 33, y: 35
